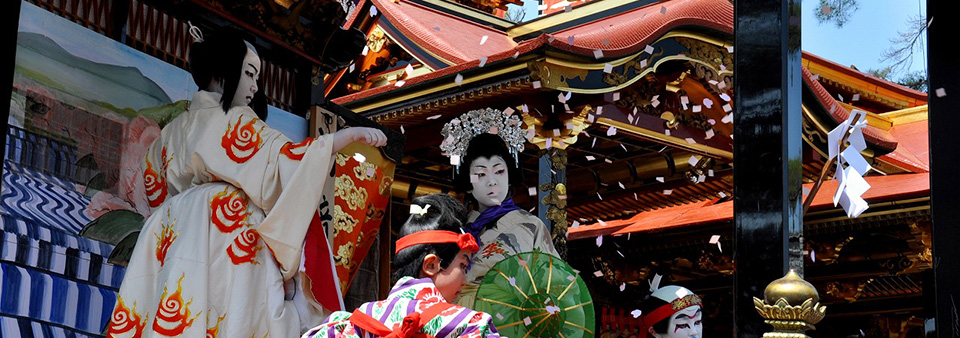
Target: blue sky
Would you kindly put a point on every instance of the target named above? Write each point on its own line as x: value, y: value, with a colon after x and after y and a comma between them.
x: 860, y: 42
x: 865, y: 36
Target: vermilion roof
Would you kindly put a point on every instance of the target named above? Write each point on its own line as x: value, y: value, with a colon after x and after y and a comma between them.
x: 913, y: 147
x: 458, y: 40
x: 872, y: 134
x: 629, y: 32
x: 449, y: 37
x: 882, y: 188
x: 920, y: 98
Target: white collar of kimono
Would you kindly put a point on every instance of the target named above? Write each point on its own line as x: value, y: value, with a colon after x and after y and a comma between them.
x: 203, y: 99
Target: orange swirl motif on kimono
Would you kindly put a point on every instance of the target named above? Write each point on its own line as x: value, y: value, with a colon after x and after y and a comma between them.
x: 228, y: 210
x: 125, y: 320
x: 164, y: 239
x: 244, y: 248
x: 212, y: 332
x: 242, y: 142
x: 155, y: 183
x: 295, y: 151
x: 173, y: 316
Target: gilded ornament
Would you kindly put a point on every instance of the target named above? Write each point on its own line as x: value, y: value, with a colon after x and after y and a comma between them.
x: 791, y: 305
x: 458, y: 132
x: 344, y: 255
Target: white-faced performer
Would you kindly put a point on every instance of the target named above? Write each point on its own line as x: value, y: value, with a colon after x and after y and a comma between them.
x: 231, y: 202
x: 672, y: 312
x: 487, y: 142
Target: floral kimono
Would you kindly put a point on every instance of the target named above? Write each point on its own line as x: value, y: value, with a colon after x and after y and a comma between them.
x: 516, y: 232
x: 231, y: 202
x: 410, y: 296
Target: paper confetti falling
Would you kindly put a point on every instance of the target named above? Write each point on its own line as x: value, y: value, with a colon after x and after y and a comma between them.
x: 940, y: 92
x: 352, y: 66
x: 570, y: 39
x: 722, y: 195
x: 366, y: 49
x: 552, y: 309
x: 402, y: 131
x: 693, y: 160
x: 660, y: 179
x: 667, y: 191
x: 455, y: 160
x: 590, y: 158
x: 532, y: 191
x: 730, y: 49
x: 513, y: 281
x: 483, y: 61
x: 663, y: 9
x: 536, y: 85
x: 434, y: 117
x: 371, y: 172
x: 612, y: 131
x: 483, y: 40
x: 527, y: 321
x: 623, y: 286
x: 373, y: 12
x: 499, y: 316
x: 458, y: 79
x: 359, y: 157
x: 598, y: 273
x: 636, y: 313
x: 649, y: 49
x: 597, y: 54
x: 710, y: 133
x: 690, y: 140
x: 399, y: 83
x: 408, y: 70
x: 576, y: 224
x: 607, y: 68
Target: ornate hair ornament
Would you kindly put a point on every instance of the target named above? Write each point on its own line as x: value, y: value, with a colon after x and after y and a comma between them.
x: 458, y: 132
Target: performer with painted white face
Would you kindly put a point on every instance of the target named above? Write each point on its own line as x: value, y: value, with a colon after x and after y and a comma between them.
x: 231, y: 202
x: 487, y: 142
x: 672, y: 312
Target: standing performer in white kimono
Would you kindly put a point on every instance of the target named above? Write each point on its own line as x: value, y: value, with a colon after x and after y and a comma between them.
x: 432, y: 257
x: 487, y: 171
x: 232, y: 201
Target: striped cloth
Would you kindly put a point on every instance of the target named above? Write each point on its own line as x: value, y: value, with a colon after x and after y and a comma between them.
x: 54, y: 282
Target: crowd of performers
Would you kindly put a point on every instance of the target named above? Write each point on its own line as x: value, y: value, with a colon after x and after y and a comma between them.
x: 202, y: 269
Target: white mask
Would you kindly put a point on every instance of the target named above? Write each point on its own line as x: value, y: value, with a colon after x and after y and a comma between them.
x: 247, y: 86
x: 685, y: 323
x: 490, y: 180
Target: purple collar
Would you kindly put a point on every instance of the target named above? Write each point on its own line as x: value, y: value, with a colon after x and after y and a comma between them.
x: 491, y: 214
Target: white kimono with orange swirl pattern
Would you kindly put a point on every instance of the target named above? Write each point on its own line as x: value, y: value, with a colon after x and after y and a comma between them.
x: 232, y: 200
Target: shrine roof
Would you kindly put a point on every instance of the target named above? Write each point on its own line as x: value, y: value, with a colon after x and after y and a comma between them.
x: 451, y: 38
x: 863, y: 83
x: 458, y: 40
x: 883, y: 188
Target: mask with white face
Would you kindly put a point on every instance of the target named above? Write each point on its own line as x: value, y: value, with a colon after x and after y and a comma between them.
x: 490, y: 181
x: 685, y: 323
x: 249, y: 74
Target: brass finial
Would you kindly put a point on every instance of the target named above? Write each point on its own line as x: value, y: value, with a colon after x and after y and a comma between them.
x: 791, y: 305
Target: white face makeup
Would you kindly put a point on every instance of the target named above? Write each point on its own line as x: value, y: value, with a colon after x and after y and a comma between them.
x: 685, y: 323
x: 247, y: 86
x: 490, y: 181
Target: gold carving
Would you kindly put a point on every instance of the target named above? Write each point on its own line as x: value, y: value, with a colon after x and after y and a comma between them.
x: 571, y: 126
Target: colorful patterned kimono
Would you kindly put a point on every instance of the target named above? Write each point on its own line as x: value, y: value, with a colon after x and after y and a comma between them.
x: 516, y: 232
x: 410, y: 295
x: 232, y: 201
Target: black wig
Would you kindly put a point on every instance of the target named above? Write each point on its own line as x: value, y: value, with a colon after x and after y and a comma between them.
x: 487, y: 145
x: 444, y: 213
x: 219, y: 57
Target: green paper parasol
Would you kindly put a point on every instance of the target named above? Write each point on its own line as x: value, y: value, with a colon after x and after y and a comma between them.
x: 534, y: 294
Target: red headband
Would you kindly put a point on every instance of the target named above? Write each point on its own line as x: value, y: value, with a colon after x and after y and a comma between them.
x: 464, y: 241
x: 667, y: 310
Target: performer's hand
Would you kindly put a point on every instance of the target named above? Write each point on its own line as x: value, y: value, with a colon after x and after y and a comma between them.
x: 369, y: 136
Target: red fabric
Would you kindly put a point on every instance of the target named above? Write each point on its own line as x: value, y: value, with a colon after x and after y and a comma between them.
x: 369, y: 196
x: 464, y: 241
x: 410, y: 328
x: 318, y: 267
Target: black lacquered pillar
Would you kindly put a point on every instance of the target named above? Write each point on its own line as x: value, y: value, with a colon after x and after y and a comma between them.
x: 767, y: 144
x: 944, y: 119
